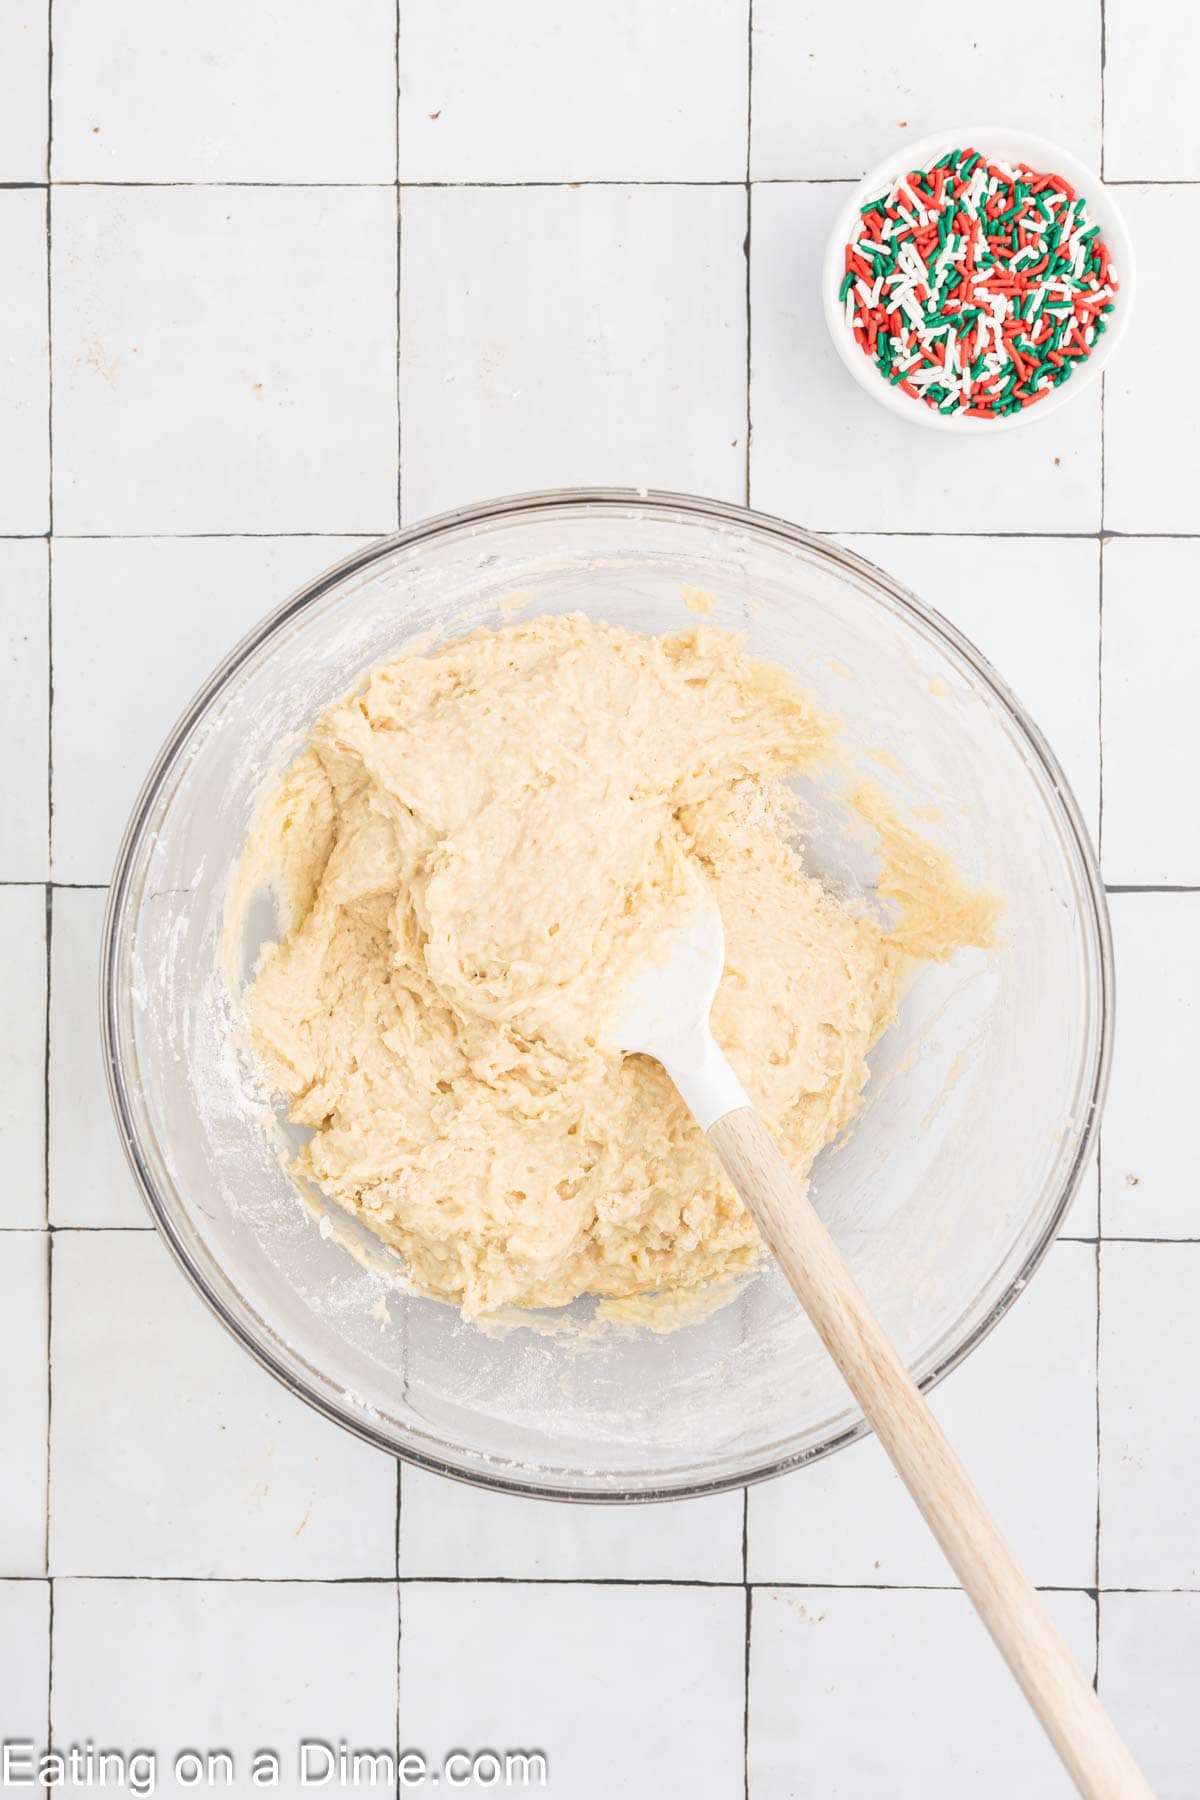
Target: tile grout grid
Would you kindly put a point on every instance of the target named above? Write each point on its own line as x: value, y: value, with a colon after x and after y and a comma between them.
x: 49, y: 1231
x: 557, y: 181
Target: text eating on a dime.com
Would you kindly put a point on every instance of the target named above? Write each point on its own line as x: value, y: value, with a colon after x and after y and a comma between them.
x: 329, y: 1763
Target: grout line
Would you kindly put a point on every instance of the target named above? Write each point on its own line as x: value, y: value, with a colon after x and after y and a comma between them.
x: 1103, y: 62
x: 49, y: 1472
x: 399, y: 1651
x: 49, y: 543
x: 396, y: 73
x: 1110, y: 1238
x: 746, y: 1697
x: 50, y: 1670
x: 186, y: 537
x: 370, y: 537
x: 1111, y: 887
x: 311, y: 1581
x: 49, y: 269
x: 279, y: 186
x: 1096, y: 1550
x: 559, y: 181
x: 746, y: 1647
x: 1064, y: 1237
x: 47, y: 948
x: 749, y: 346
x: 746, y: 1535
x: 574, y: 1581
x: 400, y: 1620
x: 746, y: 243
x: 1100, y: 661
x: 754, y: 1587
x: 49, y: 1388
x: 58, y: 1230
x: 50, y: 698
x: 400, y: 229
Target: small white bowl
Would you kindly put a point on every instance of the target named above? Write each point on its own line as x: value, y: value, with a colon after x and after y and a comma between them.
x: 1011, y: 147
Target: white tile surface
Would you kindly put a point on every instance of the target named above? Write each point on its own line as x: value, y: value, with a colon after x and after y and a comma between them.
x: 90, y: 1181
x: 1024, y: 1400
x: 551, y: 336
x: 146, y: 92
x: 25, y: 1657
x: 640, y: 90
x: 24, y: 89
x: 1151, y: 121
x: 184, y: 603
x: 224, y: 359
x: 243, y: 1666
x: 225, y: 362
x: 630, y: 1690
x: 24, y: 364
x: 1150, y: 1188
x: 862, y: 1695
x: 24, y: 734
x: 1152, y: 425
x: 196, y: 1463
x: 23, y: 1389
x: 447, y: 1528
x: 1149, y: 1654
x: 1032, y: 605
x: 1149, y: 1425
x: 23, y: 1056
x: 1151, y: 723
x: 837, y: 89
x: 824, y: 452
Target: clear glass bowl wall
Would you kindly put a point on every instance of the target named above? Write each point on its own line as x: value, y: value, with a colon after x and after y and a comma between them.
x: 951, y: 1182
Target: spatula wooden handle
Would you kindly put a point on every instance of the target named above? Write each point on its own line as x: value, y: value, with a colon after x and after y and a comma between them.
x: 1001, y: 1593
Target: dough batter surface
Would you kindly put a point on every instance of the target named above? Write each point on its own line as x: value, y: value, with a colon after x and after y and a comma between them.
x: 474, y: 851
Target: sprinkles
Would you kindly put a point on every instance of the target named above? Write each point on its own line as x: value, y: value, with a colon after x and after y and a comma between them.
x: 977, y: 287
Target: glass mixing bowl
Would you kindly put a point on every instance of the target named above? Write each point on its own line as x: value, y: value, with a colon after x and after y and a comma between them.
x: 944, y: 1195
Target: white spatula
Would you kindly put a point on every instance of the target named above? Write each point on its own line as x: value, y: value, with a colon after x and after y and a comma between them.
x: 663, y: 1013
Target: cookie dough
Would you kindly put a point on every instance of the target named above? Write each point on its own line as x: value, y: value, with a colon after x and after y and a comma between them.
x: 474, y: 851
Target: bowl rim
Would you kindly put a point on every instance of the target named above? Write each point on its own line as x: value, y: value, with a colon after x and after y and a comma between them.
x: 236, y: 1315
x: 1030, y: 147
